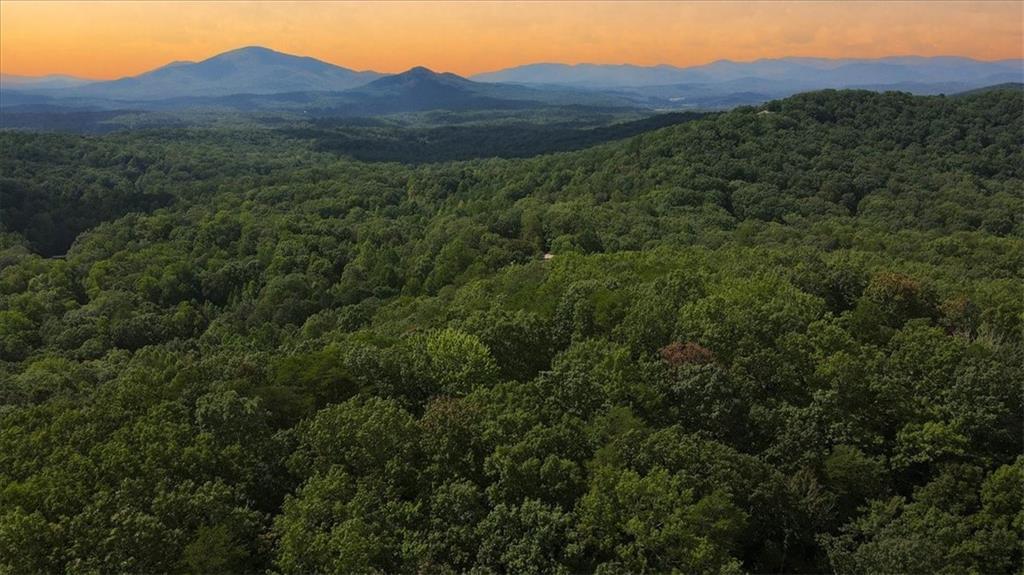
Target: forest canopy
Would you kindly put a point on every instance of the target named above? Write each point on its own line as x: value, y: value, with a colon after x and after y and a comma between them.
x: 777, y: 339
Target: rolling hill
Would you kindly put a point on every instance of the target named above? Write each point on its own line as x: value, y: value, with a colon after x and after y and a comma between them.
x: 777, y: 340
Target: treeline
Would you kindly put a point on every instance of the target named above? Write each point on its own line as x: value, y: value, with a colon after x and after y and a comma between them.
x: 784, y: 339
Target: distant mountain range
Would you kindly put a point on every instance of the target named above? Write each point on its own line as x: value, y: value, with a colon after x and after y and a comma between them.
x: 796, y: 72
x: 725, y: 84
x: 259, y: 79
x: 41, y: 82
x: 256, y: 78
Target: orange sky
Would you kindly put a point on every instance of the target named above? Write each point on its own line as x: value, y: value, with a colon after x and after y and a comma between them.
x: 113, y: 39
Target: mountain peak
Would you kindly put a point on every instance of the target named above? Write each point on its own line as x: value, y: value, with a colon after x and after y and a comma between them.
x: 254, y: 49
x: 254, y: 54
x: 424, y: 73
x: 419, y: 76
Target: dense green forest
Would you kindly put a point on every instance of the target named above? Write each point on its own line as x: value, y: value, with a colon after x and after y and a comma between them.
x: 777, y: 339
x: 463, y: 136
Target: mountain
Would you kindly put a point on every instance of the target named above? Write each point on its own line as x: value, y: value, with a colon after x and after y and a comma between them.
x: 256, y: 79
x: 251, y: 70
x: 413, y: 91
x: 421, y: 89
x: 41, y: 82
x: 592, y: 75
x: 796, y: 74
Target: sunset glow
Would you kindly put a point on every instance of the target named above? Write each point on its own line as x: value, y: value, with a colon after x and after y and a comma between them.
x: 113, y: 39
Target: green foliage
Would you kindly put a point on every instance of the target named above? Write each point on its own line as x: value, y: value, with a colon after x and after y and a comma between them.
x: 459, y: 362
x: 628, y: 523
x: 944, y: 529
x: 784, y: 342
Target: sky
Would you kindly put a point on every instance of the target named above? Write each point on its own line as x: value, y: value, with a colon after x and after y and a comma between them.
x: 104, y: 40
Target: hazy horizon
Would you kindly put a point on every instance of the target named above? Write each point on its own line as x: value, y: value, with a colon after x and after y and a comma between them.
x: 102, y: 41
x: 521, y: 65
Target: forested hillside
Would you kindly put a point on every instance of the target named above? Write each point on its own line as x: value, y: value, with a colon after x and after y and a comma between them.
x: 777, y: 339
